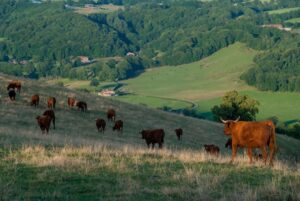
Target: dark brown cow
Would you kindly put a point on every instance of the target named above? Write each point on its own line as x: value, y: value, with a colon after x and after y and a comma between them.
x: 71, y: 102
x: 229, y: 144
x: 44, y: 123
x: 100, y: 124
x: 212, y: 149
x: 118, y: 126
x: 179, y: 133
x: 51, y: 114
x: 81, y: 105
x: 15, y: 84
x: 51, y: 102
x: 35, y: 100
x: 153, y: 136
x: 111, y: 115
x: 251, y: 135
x: 12, y: 94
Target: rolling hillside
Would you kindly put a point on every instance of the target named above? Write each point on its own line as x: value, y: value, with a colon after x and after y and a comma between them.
x: 74, y: 162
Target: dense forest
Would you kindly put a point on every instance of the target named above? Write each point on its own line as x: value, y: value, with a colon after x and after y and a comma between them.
x: 49, y: 37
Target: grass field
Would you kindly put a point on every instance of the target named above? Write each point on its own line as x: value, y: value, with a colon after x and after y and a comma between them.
x: 294, y: 20
x: 201, y: 84
x: 282, y: 11
x: 107, y: 8
x: 75, y: 162
x: 208, y: 78
x: 283, y: 105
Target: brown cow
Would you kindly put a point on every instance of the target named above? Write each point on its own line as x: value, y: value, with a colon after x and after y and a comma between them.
x: 15, y: 84
x: 71, y: 102
x: 44, y: 123
x: 81, y: 105
x: 111, y: 115
x: 179, y: 133
x: 12, y: 94
x: 51, y: 114
x: 251, y: 135
x: 51, y: 102
x: 153, y: 136
x: 118, y: 126
x: 212, y: 149
x: 100, y: 124
x: 35, y: 99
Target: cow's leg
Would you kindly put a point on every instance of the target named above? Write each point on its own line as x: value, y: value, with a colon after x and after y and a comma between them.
x: 53, y: 120
x: 264, y: 154
x: 153, y: 145
x: 160, y: 145
x: 234, y: 150
x: 272, y: 153
x: 249, y: 151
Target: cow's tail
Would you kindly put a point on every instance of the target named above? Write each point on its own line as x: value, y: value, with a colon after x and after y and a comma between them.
x: 272, y: 144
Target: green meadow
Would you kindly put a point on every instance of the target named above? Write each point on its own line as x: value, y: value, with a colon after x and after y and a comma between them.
x: 294, y: 20
x: 282, y: 11
x: 200, y: 85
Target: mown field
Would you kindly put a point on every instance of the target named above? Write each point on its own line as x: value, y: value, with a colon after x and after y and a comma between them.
x: 294, y: 20
x: 282, y: 11
x: 75, y: 162
x: 107, y: 8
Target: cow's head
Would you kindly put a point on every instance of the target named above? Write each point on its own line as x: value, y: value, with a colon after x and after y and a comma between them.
x: 228, y: 125
x: 143, y: 133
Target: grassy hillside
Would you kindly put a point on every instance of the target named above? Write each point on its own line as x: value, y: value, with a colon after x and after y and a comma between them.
x: 207, y: 78
x: 74, y: 162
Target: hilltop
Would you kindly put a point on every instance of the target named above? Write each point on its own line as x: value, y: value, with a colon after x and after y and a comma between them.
x: 75, y: 162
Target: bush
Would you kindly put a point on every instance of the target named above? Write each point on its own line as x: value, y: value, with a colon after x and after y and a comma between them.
x: 94, y: 82
x: 234, y: 105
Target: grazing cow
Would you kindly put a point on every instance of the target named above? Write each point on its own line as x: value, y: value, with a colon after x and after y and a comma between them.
x: 229, y: 144
x: 15, y: 84
x: 35, y: 100
x: 251, y: 135
x: 71, y: 102
x: 212, y: 149
x: 111, y: 115
x: 81, y: 105
x: 100, y: 124
x: 118, y: 126
x: 51, y: 114
x: 153, y: 136
x: 179, y: 133
x: 12, y: 94
x: 44, y: 123
x: 51, y: 102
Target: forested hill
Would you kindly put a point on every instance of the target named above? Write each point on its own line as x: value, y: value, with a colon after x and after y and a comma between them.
x: 50, y: 36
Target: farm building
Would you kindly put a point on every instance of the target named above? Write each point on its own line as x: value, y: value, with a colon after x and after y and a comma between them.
x: 107, y: 93
x: 277, y: 26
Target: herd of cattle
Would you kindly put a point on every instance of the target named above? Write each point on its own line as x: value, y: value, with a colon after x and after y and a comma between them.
x: 243, y: 134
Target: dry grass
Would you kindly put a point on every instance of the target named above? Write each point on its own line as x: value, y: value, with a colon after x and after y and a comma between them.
x: 168, y: 174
